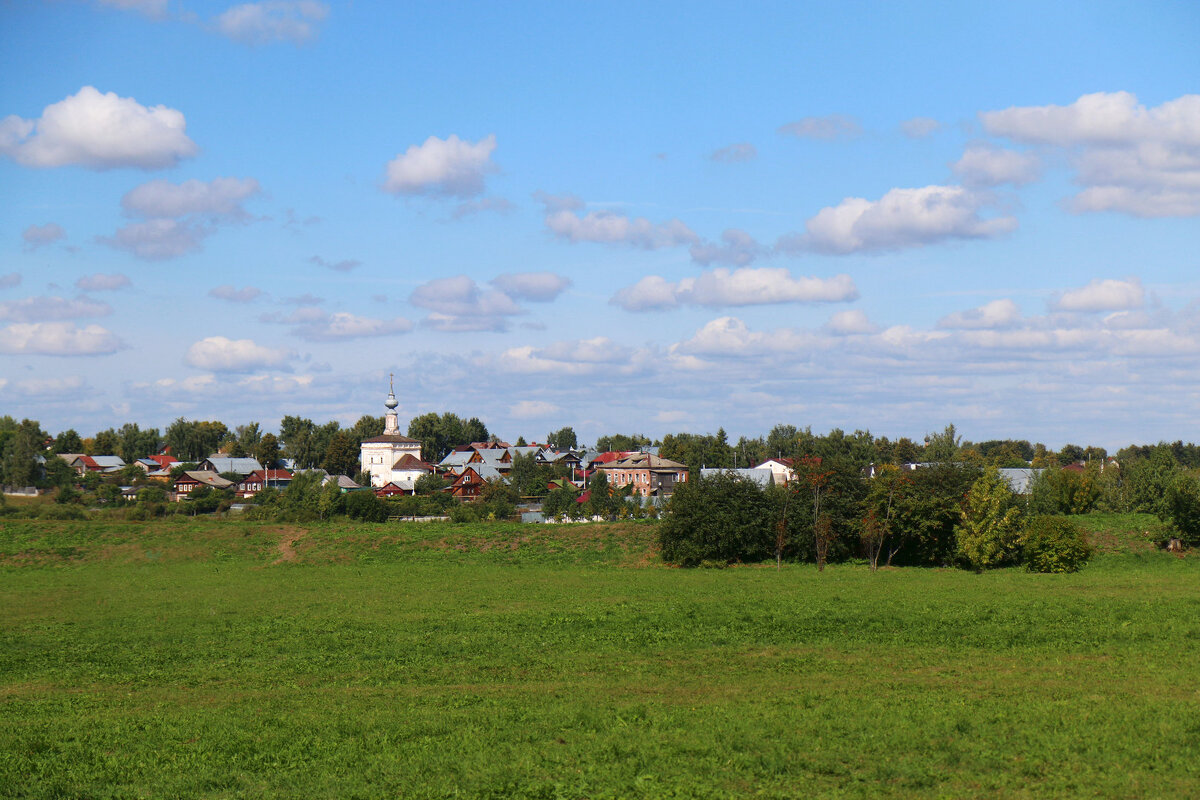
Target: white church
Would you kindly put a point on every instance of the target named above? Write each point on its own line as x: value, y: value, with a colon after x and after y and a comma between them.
x: 392, y: 458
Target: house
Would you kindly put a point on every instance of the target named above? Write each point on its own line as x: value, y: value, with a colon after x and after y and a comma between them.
x: 158, y: 468
x: 260, y: 479
x: 782, y: 470
x: 186, y: 483
x: 344, y: 483
x: 238, y: 466
x: 650, y: 475
x: 84, y: 464
x: 468, y: 485
x: 379, y: 454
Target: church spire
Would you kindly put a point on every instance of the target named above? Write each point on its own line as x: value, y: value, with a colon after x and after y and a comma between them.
x: 390, y: 426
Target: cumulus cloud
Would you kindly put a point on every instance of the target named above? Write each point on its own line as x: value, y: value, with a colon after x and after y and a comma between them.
x: 538, y: 287
x: 220, y: 198
x: 834, y: 126
x: 730, y: 336
x: 901, y: 218
x: 43, y: 309
x: 850, y: 323
x: 159, y: 239
x: 98, y: 131
x: 314, y: 324
x: 735, y: 153
x: 155, y: 9
x: 610, y: 227
x: 741, y: 287
x: 10, y: 280
x: 532, y: 409
x: 178, y: 217
x: 246, y: 294
x: 1129, y: 158
x: 460, y: 296
x: 1103, y: 295
x: 220, y: 354
x: 344, y: 265
x: 996, y: 314
x: 294, y: 21
x: 57, y: 339
x: 737, y: 248
x: 920, y: 127
x: 100, y: 282
x: 36, y: 236
x: 450, y: 167
x: 985, y: 164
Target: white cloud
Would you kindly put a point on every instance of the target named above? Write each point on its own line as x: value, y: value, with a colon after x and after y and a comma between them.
x: 1103, y: 295
x: 159, y: 239
x: 54, y: 388
x: 450, y: 167
x: 920, y: 127
x: 314, y: 324
x: 730, y: 336
x: 246, y: 294
x: 735, y: 153
x: 834, y: 126
x: 220, y: 354
x: 850, y: 323
x: 538, y: 287
x: 218, y: 198
x: 344, y: 265
x: 901, y: 218
x: 532, y: 409
x: 36, y: 236
x: 99, y: 282
x: 613, y: 228
x: 99, y: 131
x: 155, y: 9
x: 996, y: 314
x: 738, y: 248
x: 451, y: 323
x: 985, y: 164
x: 57, y: 339
x: 44, y: 309
x: 461, y: 297
x: 1130, y: 159
x: 741, y: 287
x: 10, y: 280
x: 273, y: 21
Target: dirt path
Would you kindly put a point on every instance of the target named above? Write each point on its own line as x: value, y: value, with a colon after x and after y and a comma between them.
x: 287, y: 545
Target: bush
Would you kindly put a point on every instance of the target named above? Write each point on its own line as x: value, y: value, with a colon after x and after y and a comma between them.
x: 721, y: 518
x: 52, y: 511
x: 1181, y: 507
x: 1054, y: 544
x: 367, y: 507
x: 988, y: 534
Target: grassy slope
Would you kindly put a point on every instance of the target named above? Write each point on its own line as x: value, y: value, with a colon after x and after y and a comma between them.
x: 227, y: 660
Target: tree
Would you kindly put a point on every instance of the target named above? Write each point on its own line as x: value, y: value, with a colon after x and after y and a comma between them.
x: 881, y: 505
x: 720, y: 518
x: 20, y: 454
x: 267, y: 451
x: 106, y: 443
x: 134, y: 443
x: 441, y: 434
x: 943, y: 447
x: 1054, y: 544
x: 562, y: 439
x: 431, y: 483
x: 622, y: 442
x: 1181, y: 507
x: 988, y: 534
x: 342, y: 454
x: 194, y: 440
x: 67, y: 442
x: 245, y: 440
x: 814, y: 478
x: 600, y: 502
x: 368, y: 427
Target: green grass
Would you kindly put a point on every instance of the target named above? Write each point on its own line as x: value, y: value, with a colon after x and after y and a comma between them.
x: 231, y: 659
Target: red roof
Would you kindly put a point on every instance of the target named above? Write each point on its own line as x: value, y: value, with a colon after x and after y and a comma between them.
x: 266, y: 475
x: 409, y: 461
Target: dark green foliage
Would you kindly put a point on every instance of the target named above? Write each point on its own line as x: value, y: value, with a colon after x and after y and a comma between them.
x: 1054, y: 544
x: 600, y: 502
x: 1064, y: 491
x: 67, y: 442
x: 1181, y: 507
x: 720, y: 518
x: 562, y: 502
x: 927, y: 510
x: 368, y: 427
x: 441, y: 434
x: 432, y: 483
x: 57, y: 473
x: 267, y: 451
x: 19, y: 452
x: 698, y: 450
x: 342, y: 454
x: 1146, y: 481
x: 365, y: 506
x: 134, y: 443
x: 622, y: 442
x: 196, y: 440
x: 152, y: 494
x: 563, y: 439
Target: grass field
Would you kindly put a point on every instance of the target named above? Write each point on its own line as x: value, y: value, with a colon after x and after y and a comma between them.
x: 228, y: 659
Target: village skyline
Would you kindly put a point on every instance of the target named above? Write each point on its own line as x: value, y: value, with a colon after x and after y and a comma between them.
x: 615, y: 218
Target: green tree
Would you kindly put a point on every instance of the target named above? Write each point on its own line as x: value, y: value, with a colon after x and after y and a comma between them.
x: 622, y: 442
x: 298, y: 435
x: 267, y: 451
x: 134, y: 443
x: 431, y: 483
x: 943, y: 447
x: 1181, y: 507
x: 562, y: 439
x: 342, y: 454
x: 367, y: 427
x: 20, y: 455
x: 106, y: 443
x: 67, y: 442
x: 988, y: 533
x: 1054, y: 544
x: 719, y: 518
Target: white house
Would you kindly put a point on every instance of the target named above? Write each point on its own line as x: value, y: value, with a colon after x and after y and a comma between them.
x: 379, y: 455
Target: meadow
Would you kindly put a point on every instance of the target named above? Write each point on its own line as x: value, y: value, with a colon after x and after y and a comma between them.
x: 223, y: 659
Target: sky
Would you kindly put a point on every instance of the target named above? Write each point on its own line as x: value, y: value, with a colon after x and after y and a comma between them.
x: 621, y: 217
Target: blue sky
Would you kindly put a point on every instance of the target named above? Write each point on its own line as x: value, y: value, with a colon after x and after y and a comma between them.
x: 608, y: 216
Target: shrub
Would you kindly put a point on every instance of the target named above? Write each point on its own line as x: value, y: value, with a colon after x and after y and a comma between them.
x: 1181, y: 507
x: 988, y: 534
x: 366, y: 506
x: 1054, y: 544
x: 721, y: 518
x: 53, y: 511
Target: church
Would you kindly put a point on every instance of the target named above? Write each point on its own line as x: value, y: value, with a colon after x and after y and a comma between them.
x: 392, y: 457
